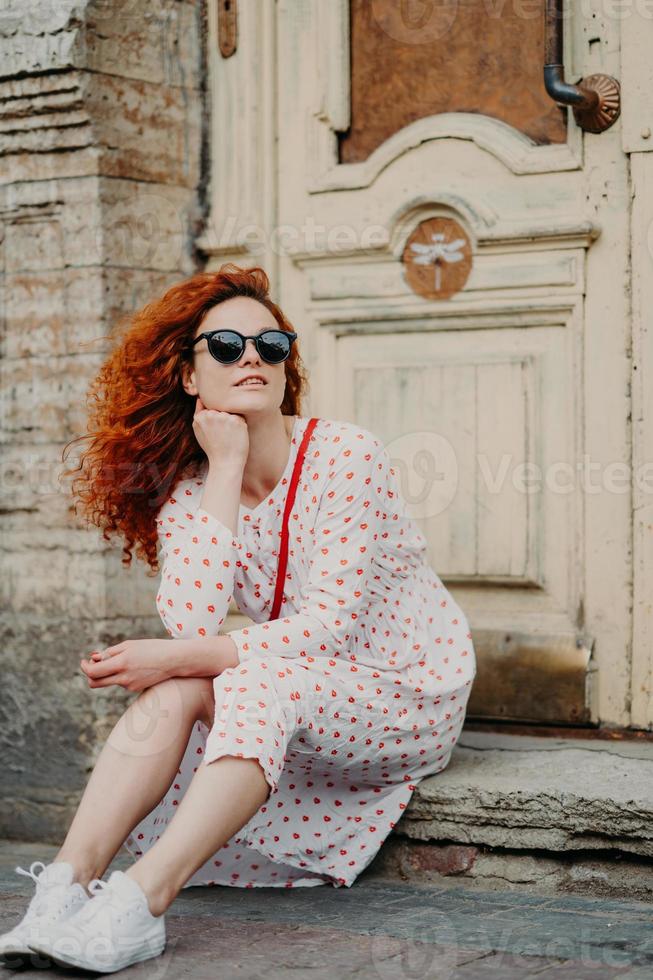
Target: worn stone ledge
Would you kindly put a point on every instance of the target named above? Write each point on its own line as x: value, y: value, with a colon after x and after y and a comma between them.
x: 538, y: 793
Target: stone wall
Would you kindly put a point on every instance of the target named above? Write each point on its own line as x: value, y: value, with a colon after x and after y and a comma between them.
x: 103, y: 169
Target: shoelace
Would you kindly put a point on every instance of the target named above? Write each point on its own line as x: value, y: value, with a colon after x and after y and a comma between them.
x: 38, y: 905
x: 101, y: 895
x: 31, y: 873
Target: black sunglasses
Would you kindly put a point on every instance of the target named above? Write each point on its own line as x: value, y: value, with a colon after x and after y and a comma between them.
x: 227, y: 346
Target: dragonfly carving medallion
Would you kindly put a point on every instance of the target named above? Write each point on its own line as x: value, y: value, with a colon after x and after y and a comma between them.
x: 437, y: 258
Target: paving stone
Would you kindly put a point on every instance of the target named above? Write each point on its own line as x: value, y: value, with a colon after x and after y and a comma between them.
x: 377, y: 929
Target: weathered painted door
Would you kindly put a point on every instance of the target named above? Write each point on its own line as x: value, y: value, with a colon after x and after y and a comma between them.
x: 494, y: 358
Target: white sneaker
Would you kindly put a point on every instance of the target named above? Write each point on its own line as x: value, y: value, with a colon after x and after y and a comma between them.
x: 114, y: 929
x: 57, y: 898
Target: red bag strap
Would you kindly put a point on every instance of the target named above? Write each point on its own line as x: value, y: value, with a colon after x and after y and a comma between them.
x: 283, y: 550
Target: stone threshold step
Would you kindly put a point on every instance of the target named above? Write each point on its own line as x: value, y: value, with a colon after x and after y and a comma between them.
x: 558, y: 814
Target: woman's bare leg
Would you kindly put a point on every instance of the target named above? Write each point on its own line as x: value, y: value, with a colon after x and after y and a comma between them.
x: 135, y: 768
x: 220, y: 799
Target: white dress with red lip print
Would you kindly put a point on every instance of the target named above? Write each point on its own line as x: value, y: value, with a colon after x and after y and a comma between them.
x: 355, y: 693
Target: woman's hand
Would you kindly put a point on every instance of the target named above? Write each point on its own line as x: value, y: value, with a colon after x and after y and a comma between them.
x: 224, y: 436
x: 133, y: 664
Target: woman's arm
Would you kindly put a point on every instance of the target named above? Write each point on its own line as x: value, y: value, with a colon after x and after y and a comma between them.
x: 199, y: 552
x: 204, y: 657
x: 221, y: 492
x: 137, y: 664
x: 201, y: 548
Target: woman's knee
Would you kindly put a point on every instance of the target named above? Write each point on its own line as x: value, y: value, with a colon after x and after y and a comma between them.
x: 162, y: 715
x: 180, y: 698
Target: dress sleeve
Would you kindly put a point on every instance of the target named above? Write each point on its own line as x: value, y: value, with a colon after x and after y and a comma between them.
x: 341, y: 563
x: 199, y: 555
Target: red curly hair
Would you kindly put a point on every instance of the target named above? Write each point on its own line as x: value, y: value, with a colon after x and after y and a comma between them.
x: 141, y: 440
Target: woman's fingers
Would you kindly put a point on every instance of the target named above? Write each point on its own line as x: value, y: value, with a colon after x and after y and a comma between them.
x: 111, y: 651
x: 101, y: 668
x: 108, y: 652
x: 107, y: 681
x: 97, y: 679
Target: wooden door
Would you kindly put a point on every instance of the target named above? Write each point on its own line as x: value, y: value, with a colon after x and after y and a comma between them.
x: 344, y: 133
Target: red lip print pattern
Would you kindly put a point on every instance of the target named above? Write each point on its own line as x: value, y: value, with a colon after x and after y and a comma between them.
x: 346, y: 700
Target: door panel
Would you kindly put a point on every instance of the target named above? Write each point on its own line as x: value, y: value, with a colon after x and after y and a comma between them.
x: 469, y: 432
x: 409, y: 61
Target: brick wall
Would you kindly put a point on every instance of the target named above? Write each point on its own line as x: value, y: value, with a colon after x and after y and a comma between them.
x: 102, y: 194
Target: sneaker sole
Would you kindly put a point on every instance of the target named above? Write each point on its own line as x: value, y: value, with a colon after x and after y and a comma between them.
x: 16, y: 959
x: 72, y: 960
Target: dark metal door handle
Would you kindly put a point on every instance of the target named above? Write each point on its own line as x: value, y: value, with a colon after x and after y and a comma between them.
x: 595, y: 100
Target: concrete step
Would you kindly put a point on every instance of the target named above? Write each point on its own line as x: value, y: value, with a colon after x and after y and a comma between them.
x: 560, y: 815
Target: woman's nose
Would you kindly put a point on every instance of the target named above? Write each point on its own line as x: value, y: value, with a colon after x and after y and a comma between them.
x: 250, y: 351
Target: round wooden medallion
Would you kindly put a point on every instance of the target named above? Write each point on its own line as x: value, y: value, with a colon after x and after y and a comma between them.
x: 437, y: 258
